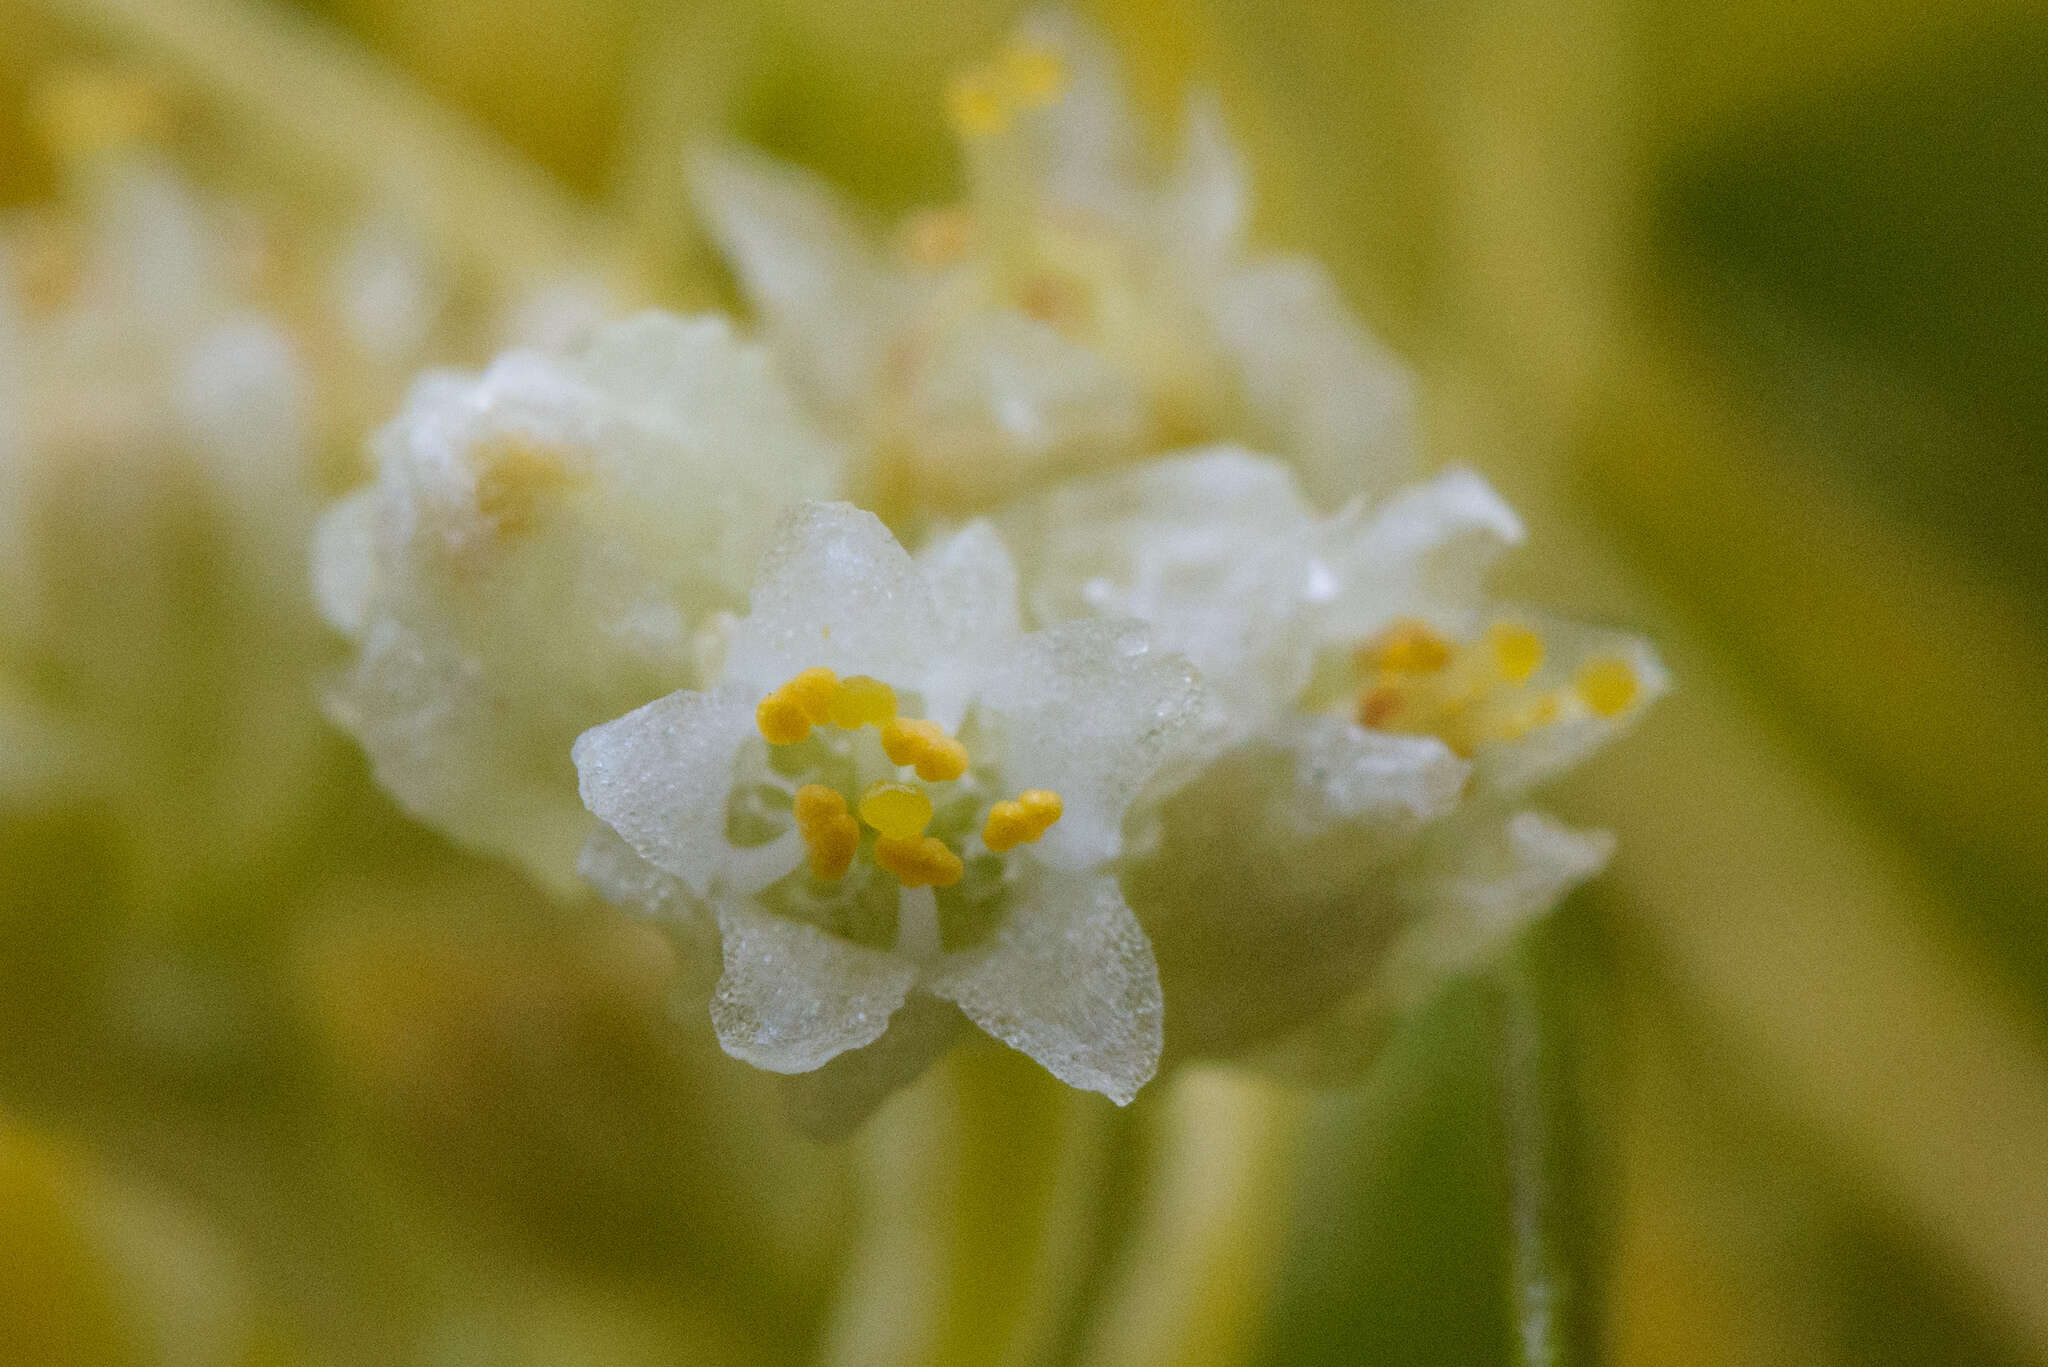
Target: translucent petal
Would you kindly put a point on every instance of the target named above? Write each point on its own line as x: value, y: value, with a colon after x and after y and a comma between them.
x: 834, y: 590
x: 1093, y: 711
x: 1425, y: 552
x: 974, y: 592
x: 833, y: 1101
x: 1213, y: 551
x: 433, y: 727
x: 1083, y: 148
x: 1068, y: 979
x: 1265, y: 893
x: 1331, y: 398
x: 1511, y: 768
x: 793, y: 997
x: 660, y: 776
x: 807, y: 267
x: 1476, y: 882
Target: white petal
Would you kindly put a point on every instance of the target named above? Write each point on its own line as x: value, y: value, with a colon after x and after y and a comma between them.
x: 806, y: 265
x: 974, y: 590
x: 1214, y: 551
x: 1068, y: 979
x: 344, y: 561
x: 1337, y: 402
x: 1206, y: 203
x: 1425, y: 552
x: 835, y: 590
x: 1093, y: 711
x: 1083, y: 148
x: 660, y: 776
x: 1479, y: 880
x: 793, y: 997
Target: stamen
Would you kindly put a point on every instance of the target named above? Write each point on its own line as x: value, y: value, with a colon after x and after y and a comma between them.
x: 1608, y: 685
x: 925, y: 746
x: 829, y: 833
x: 1022, y: 821
x: 1408, y: 647
x: 787, y: 715
x: 862, y: 701
x: 920, y: 862
x: 1517, y: 651
x: 898, y: 811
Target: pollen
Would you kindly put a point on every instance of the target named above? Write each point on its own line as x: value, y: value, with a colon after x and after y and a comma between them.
x: 1408, y: 647
x: 862, y: 701
x: 920, y: 861
x: 1517, y: 651
x: 925, y: 747
x: 1608, y: 685
x: 897, y: 811
x: 1021, y: 821
x: 787, y: 715
x: 829, y: 832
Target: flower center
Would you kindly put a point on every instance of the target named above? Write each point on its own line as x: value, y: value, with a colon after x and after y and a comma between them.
x: 1416, y: 681
x: 898, y: 811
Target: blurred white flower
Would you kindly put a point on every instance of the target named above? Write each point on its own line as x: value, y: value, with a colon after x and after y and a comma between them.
x: 1381, y: 717
x: 544, y: 547
x: 891, y: 788
x: 1076, y: 311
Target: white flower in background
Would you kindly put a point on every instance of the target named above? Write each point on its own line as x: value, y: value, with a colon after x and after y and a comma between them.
x: 155, y: 466
x: 545, y: 546
x: 1075, y: 312
x: 891, y: 789
x: 1383, y: 717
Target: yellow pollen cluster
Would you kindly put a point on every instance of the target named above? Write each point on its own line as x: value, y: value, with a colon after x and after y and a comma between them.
x: 818, y: 696
x: 1419, y: 682
x: 925, y: 747
x: 920, y: 861
x: 984, y: 99
x: 897, y: 811
x: 829, y: 833
x: 1021, y: 821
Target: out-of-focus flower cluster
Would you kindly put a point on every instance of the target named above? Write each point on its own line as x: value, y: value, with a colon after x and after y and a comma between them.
x: 1163, y: 710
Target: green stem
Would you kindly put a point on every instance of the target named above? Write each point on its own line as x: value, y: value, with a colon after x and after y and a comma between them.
x: 1536, y: 1115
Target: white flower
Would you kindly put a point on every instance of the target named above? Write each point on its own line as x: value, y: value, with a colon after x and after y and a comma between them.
x: 1382, y: 719
x: 545, y: 546
x: 1075, y: 312
x: 891, y: 788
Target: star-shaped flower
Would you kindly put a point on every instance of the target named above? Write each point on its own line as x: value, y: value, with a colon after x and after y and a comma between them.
x: 1076, y: 310
x: 892, y: 789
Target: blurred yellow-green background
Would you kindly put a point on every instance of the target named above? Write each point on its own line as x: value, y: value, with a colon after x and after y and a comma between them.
x: 1744, y: 304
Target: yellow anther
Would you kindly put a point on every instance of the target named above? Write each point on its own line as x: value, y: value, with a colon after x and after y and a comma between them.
x: 1379, y: 706
x: 829, y: 833
x: 814, y: 691
x: 781, y: 719
x: 899, y: 811
x: 1608, y: 685
x: 974, y: 100
x: 515, y: 476
x: 925, y: 746
x: 920, y: 862
x: 862, y: 701
x: 1036, y: 76
x: 1517, y: 651
x: 1021, y: 821
x: 1409, y: 647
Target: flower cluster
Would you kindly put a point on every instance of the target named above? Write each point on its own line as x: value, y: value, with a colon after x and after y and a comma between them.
x: 1199, y: 733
